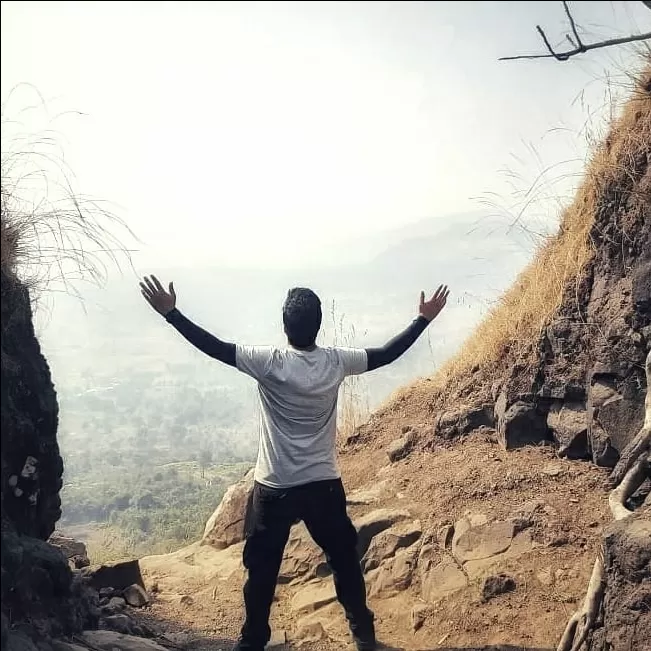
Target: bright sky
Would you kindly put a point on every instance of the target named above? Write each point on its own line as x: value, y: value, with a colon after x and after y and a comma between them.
x: 267, y: 133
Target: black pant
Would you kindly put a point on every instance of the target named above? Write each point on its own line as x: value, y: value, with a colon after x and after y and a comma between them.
x: 270, y: 514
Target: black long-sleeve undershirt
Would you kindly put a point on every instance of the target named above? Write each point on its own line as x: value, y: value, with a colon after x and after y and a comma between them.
x: 395, y: 347
x: 225, y: 351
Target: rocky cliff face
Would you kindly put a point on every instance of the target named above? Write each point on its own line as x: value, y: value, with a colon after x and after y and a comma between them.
x: 581, y: 381
x: 627, y: 597
x: 586, y: 387
x: 31, y: 464
x: 39, y: 596
x: 572, y: 373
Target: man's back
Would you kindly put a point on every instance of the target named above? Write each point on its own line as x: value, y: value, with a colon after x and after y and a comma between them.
x: 298, y: 392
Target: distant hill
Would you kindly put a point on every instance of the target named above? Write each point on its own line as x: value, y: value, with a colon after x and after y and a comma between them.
x: 377, y: 294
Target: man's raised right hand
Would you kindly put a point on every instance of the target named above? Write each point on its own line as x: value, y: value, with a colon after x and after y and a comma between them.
x: 163, y: 302
x: 430, y: 309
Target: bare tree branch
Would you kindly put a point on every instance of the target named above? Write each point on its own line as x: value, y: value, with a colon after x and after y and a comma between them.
x: 578, y: 46
x: 568, y: 13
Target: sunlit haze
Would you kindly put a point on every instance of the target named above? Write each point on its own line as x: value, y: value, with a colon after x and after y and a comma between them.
x: 271, y: 134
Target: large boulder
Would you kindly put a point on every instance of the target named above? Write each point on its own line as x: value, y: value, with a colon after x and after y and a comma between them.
x: 74, y: 550
x: 69, y: 547
x: 519, y: 423
x: 627, y: 596
x: 615, y: 414
x: 225, y: 527
x: 459, y: 422
x: 371, y: 524
x: 395, y: 574
x: 135, y: 595
x: 568, y: 423
x: 439, y: 574
x: 118, y: 575
x: 388, y: 542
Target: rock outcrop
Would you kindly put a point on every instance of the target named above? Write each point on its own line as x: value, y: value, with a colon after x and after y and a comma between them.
x: 578, y: 380
x: 627, y: 598
x: 45, y: 594
x: 590, y: 358
x: 72, y: 549
x: 39, y: 595
x: 31, y: 464
x: 225, y: 527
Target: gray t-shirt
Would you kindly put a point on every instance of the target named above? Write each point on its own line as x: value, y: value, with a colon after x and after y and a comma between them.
x: 298, y: 392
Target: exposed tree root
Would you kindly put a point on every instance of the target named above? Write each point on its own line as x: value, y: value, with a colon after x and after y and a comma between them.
x: 631, y: 454
x: 627, y: 476
x: 633, y: 479
x: 580, y: 624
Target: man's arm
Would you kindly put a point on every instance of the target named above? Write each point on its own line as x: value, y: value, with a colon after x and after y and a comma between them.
x: 394, y: 348
x: 164, y: 302
x: 223, y: 351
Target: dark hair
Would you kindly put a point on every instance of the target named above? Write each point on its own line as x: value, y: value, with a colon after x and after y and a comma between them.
x: 302, y: 317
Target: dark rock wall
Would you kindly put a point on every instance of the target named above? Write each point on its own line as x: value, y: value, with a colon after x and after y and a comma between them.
x: 627, y: 596
x: 31, y: 464
x: 39, y: 596
x: 583, y: 382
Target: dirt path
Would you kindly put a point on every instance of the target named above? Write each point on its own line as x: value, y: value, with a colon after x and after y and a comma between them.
x: 197, y: 590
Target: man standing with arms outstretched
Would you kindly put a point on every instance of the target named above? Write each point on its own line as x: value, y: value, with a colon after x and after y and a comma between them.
x: 296, y: 474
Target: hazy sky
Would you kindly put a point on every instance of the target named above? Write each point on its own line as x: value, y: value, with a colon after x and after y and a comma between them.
x: 266, y: 133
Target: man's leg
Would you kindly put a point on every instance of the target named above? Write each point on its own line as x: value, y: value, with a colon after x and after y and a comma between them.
x: 323, y: 508
x: 269, y: 517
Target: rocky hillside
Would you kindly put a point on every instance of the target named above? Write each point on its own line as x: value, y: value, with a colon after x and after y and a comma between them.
x: 561, y: 357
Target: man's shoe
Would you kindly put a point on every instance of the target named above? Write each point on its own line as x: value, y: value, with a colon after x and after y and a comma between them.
x: 363, y: 631
x: 244, y: 646
x: 365, y: 640
x: 366, y: 645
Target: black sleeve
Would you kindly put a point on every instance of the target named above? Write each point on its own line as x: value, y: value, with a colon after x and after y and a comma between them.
x: 397, y: 346
x: 204, y: 341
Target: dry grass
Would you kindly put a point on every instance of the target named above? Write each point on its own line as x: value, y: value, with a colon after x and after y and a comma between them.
x: 49, y: 233
x: 64, y: 241
x: 353, y: 404
x: 520, y: 316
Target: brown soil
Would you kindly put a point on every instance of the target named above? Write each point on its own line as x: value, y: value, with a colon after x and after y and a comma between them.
x: 437, y: 486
